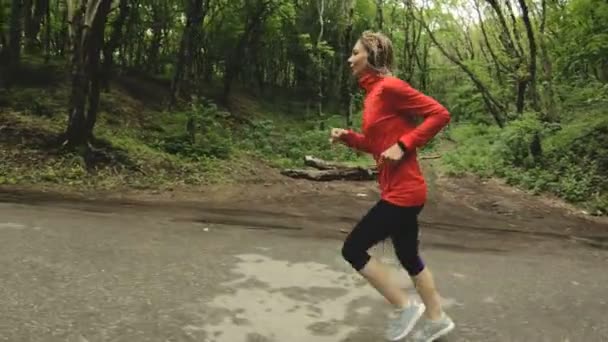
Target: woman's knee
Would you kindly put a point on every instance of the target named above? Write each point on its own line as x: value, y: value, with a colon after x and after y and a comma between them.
x: 412, y: 263
x: 356, y: 257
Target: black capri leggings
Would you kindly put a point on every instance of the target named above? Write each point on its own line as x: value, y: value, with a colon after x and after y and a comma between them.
x: 382, y: 221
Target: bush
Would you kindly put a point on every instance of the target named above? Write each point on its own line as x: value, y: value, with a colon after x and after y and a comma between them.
x: 204, y: 133
x: 288, y: 145
x: 573, y: 159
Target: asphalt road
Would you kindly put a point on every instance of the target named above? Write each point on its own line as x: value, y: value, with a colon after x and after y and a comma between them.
x: 75, y: 275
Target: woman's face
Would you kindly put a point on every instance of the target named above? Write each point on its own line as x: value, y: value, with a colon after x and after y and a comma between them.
x: 358, y: 59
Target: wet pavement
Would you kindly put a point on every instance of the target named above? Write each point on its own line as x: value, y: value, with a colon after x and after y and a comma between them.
x: 69, y: 274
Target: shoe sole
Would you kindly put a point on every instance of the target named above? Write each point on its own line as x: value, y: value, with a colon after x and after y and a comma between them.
x: 411, y: 325
x: 442, y: 332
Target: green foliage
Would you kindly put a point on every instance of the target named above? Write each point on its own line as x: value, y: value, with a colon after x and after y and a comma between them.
x: 573, y: 164
x: 204, y: 133
x: 513, y: 143
x: 287, y: 146
x: 474, y: 152
x: 465, y: 104
x: 581, y: 37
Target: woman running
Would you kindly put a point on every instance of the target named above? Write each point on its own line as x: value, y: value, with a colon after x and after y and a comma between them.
x: 390, y: 134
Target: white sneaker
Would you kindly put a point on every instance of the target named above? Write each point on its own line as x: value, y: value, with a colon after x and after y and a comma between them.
x: 429, y: 330
x: 403, y: 320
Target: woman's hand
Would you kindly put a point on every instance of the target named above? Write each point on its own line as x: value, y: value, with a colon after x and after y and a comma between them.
x: 336, y: 134
x: 393, y: 154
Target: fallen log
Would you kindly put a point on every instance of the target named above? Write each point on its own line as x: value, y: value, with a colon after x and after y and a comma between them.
x: 354, y: 174
x: 328, y: 171
x: 323, y: 164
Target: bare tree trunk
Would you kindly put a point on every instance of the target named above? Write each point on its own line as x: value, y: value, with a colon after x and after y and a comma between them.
x: 423, y: 65
x: 549, y: 103
x: 516, y: 33
x: 505, y: 33
x: 113, y: 42
x: 532, y: 47
x: 47, y: 36
x: 16, y: 27
x: 347, y: 85
x: 520, y: 102
x: 253, y: 27
x: 319, y: 62
x: 87, y: 22
x: 158, y: 30
x: 196, y: 12
x: 94, y: 52
x: 3, y: 40
x: 412, y: 37
x: 63, y: 38
x: 34, y: 14
x: 379, y: 15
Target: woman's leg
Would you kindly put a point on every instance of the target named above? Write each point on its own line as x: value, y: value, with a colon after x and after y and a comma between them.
x: 372, y: 229
x: 376, y: 226
x: 378, y: 275
x: 425, y: 285
x: 405, y: 241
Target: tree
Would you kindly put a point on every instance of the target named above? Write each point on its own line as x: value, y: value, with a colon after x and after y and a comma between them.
x: 16, y: 29
x: 195, y: 12
x: 88, y: 18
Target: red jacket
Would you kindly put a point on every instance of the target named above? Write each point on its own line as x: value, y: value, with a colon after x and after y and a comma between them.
x: 389, y: 110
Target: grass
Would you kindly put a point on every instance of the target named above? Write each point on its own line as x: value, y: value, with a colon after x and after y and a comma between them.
x: 572, y: 166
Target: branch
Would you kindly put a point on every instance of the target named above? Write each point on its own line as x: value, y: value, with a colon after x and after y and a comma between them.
x: 493, y: 105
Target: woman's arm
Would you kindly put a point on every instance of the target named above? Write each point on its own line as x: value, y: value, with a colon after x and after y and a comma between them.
x: 409, y: 101
x: 356, y: 141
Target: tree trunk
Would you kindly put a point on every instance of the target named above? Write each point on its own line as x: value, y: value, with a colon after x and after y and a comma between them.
x: 253, y: 28
x: 520, y: 103
x: 549, y: 103
x: 411, y: 47
x: 63, y: 38
x: 47, y: 36
x: 87, y: 22
x: 3, y: 41
x: 196, y: 13
x: 16, y: 27
x: 94, y: 52
x: 379, y: 15
x: 34, y: 14
x: 346, y: 86
x: 75, y: 133
x: 319, y: 61
x: 157, y: 36
x: 516, y: 33
x: 113, y: 42
x: 505, y: 33
x: 423, y: 65
x: 532, y: 47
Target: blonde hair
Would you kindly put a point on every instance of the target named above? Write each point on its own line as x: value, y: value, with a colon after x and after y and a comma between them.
x: 380, y: 51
